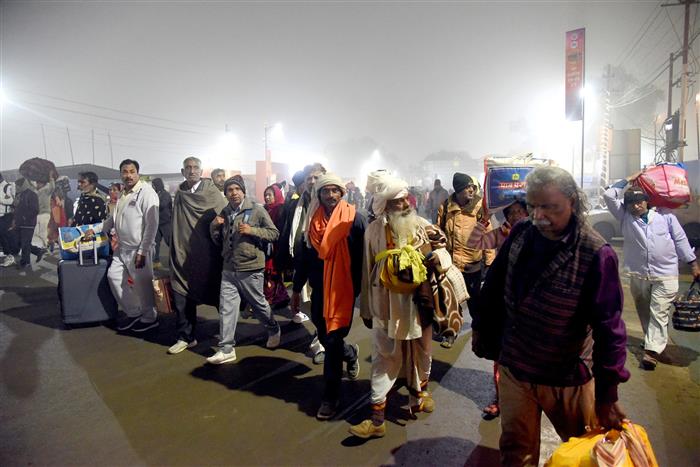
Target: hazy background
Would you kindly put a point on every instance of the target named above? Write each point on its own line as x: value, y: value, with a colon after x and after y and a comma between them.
x: 409, y: 79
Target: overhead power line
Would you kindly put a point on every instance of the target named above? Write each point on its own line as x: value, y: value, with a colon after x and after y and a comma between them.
x: 131, y: 122
x: 112, y: 109
x: 627, y: 51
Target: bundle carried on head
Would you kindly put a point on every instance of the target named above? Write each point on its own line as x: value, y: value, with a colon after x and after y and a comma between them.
x: 38, y: 170
x: 666, y: 185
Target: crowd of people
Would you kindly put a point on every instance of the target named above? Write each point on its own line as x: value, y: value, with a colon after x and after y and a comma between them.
x: 542, y: 287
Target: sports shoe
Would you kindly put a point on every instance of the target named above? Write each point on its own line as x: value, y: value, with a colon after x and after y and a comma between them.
x: 127, y: 323
x: 8, y: 261
x: 299, y: 317
x: 222, y: 357
x: 316, y: 346
x: 273, y: 340
x: 367, y: 429
x: 142, y: 326
x: 319, y: 358
x: 41, y: 254
x: 354, y: 365
x: 327, y: 410
x: 181, y: 345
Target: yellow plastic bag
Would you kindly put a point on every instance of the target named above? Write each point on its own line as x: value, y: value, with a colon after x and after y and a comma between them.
x: 628, y: 448
x: 398, y: 260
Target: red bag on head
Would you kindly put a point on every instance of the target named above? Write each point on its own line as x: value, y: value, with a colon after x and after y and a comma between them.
x: 666, y: 185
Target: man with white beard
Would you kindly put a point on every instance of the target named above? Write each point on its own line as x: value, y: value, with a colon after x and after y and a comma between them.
x: 401, y: 339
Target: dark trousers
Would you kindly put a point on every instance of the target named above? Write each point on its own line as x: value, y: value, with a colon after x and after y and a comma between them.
x: 25, y: 241
x: 337, y: 350
x: 186, y: 315
x: 473, y: 282
x: 164, y: 233
x: 8, y: 238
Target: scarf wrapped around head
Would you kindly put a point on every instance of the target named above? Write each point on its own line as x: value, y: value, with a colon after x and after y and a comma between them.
x: 274, y: 209
x: 329, y: 238
x: 388, y: 187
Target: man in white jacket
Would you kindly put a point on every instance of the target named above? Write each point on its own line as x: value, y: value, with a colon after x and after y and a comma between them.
x: 135, y: 223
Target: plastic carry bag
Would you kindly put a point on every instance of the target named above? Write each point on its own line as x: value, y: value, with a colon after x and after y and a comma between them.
x: 70, y: 238
x: 666, y: 185
x: 505, y: 179
x: 686, y: 317
x: 163, y: 295
x: 627, y: 448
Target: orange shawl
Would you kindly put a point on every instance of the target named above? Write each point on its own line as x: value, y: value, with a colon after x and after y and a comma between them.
x: 329, y: 238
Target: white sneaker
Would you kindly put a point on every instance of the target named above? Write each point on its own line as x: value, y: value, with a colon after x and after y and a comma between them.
x: 316, y: 346
x: 7, y: 261
x: 222, y: 357
x: 181, y: 345
x: 273, y: 341
x: 300, y: 317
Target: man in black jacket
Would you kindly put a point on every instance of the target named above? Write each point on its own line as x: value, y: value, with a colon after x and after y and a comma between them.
x: 331, y: 260
x: 165, y: 215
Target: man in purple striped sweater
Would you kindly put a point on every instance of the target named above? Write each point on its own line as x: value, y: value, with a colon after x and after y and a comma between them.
x: 554, y: 321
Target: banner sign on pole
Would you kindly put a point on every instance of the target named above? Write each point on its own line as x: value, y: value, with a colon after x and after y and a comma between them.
x: 575, y: 77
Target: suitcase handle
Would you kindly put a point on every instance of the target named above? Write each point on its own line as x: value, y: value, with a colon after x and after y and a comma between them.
x: 81, y: 250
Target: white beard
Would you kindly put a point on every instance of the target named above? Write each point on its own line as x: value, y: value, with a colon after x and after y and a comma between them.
x: 404, y: 224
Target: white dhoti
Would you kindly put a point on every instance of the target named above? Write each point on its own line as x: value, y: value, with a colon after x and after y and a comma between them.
x: 135, y: 297
x: 41, y: 231
x: 392, y: 358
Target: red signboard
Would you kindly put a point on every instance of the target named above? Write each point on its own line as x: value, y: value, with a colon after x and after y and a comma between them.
x: 575, y: 73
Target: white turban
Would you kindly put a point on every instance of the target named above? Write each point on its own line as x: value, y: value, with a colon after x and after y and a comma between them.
x: 374, y: 180
x: 388, y: 187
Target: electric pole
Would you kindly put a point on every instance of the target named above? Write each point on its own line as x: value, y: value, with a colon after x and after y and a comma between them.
x: 43, y: 137
x: 684, y: 82
x: 604, y: 145
x: 667, y: 146
x: 70, y: 145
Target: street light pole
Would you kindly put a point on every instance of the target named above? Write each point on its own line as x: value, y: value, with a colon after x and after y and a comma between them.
x: 697, y: 123
x: 268, y: 158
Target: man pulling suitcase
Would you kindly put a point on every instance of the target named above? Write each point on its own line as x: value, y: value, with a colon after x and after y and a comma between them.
x: 135, y: 223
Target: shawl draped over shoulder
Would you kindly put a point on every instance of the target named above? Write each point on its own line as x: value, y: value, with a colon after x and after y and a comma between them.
x: 195, y: 261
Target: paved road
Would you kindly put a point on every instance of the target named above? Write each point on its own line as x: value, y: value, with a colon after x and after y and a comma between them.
x: 91, y: 396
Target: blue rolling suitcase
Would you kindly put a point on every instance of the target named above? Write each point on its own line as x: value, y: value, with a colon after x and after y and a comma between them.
x: 84, y: 295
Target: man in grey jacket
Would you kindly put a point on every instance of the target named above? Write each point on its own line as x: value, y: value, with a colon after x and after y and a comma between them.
x: 242, y: 228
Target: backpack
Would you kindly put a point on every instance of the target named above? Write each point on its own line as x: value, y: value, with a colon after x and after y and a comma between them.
x: 443, y: 221
x: 264, y: 245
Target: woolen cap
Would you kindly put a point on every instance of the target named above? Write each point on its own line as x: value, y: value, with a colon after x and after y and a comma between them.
x: 298, y: 178
x: 460, y: 181
x: 235, y: 180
